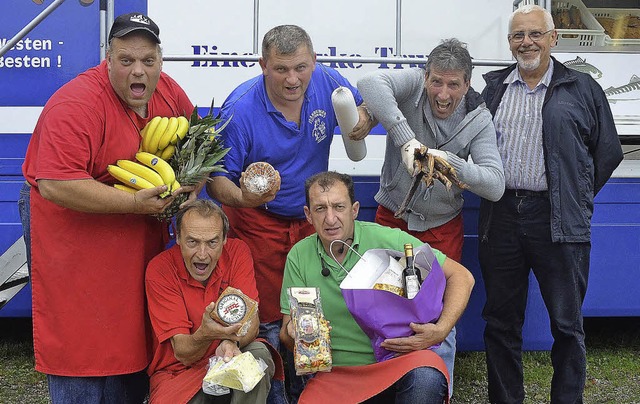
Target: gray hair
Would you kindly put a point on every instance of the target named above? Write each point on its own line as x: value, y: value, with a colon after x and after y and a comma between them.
x: 451, y: 54
x: 285, y: 39
x: 548, y: 19
x: 205, y: 208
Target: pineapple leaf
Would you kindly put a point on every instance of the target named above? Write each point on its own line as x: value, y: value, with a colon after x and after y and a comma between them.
x: 197, y: 155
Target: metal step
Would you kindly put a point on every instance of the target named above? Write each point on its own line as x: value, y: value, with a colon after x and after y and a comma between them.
x: 14, y: 271
x: 11, y: 289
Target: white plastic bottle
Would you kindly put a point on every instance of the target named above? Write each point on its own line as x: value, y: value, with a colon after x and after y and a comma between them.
x: 346, y: 111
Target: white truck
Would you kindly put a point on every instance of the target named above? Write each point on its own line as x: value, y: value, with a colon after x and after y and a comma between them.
x: 210, y: 47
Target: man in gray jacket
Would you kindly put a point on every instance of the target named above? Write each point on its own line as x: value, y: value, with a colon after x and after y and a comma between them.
x: 437, y: 108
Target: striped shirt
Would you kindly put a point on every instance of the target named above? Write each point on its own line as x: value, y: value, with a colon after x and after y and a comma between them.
x: 518, y: 123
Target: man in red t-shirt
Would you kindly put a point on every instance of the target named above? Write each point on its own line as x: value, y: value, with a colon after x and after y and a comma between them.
x: 183, y: 284
x: 91, y: 242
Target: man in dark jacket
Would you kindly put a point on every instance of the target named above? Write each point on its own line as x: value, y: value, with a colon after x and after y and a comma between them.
x: 559, y: 145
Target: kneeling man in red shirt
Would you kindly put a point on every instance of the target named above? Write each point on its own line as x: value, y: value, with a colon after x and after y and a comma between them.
x: 182, y: 286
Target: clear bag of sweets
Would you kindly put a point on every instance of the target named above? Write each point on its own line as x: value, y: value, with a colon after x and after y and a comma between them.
x: 312, y: 342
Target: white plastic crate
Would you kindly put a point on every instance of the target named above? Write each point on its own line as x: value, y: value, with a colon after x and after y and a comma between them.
x: 574, y: 39
x: 616, y: 13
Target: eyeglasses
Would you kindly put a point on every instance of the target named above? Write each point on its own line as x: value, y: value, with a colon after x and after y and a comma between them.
x: 535, y: 36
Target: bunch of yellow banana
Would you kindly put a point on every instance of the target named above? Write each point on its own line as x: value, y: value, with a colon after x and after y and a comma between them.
x: 161, y: 134
x: 153, y: 172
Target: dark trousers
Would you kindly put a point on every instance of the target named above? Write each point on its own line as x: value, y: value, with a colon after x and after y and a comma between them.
x: 519, y: 241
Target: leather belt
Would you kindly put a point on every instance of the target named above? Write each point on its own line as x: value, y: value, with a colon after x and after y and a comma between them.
x: 523, y: 193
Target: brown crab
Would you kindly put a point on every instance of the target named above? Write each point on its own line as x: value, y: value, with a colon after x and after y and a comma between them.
x: 428, y: 168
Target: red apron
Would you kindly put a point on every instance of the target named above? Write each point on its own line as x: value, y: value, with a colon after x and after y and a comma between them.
x: 179, y: 388
x: 354, y: 384
x: 447, y: 238
x: 89, y: 311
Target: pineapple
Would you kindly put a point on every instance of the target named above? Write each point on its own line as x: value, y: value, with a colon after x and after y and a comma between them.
x: 196, y: 156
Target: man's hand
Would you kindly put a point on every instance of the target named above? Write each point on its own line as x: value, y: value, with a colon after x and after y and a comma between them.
x: 407, y: 151
x: 193, y: 190
x: 227, y: 349
x: 148, y: 201
x: 254, y: 200
x: 212, y: 330
x: 190, y: 348
x: 365, y: 123
x: 426, y: 335
x: 290, y: 330
x: 438, y: 153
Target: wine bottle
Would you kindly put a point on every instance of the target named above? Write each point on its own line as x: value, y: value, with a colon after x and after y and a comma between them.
x: 411, y: 274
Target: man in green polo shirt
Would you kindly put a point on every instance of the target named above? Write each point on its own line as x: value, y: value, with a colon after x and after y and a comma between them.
x: 332, y: 210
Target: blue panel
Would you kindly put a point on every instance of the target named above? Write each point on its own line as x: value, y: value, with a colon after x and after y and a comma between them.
x: 13, y: 145
x: 616, y: 213
x: 19, y: 305
x: 615, y: 272
x: 64, y: 52
x: 9, y: 215
x: 68, y: 51
x: 11, y: 167
x: 9, y: 234
x: 365, y: 189
x: 620, y: 190
x: 9, y: 190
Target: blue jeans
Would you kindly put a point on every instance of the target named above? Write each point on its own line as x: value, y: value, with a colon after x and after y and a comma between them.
x: 271, y: 332
x: 294, y: 383
x: 519, y: 240
x: 421, y: 385
x: 122, y: 389
x: 447, y: 351
x: 25, y: 217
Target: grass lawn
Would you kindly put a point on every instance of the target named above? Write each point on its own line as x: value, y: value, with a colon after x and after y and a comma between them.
x: 613, y: 366
x: 19, y: 382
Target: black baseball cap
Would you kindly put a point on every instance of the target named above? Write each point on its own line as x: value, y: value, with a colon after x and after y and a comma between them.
x: 127, y: 23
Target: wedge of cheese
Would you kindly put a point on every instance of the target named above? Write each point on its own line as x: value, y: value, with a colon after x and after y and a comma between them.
x: 242, y: 372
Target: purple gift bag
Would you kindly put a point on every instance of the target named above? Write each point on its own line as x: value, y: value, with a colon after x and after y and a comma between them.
x: 382, y: 314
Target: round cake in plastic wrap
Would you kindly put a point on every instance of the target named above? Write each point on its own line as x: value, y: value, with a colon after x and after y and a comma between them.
x: 259, y: 177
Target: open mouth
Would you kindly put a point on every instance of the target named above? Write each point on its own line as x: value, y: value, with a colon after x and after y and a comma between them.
x: 137, y: 89
x: 442, y: 105
x: 200, y: 267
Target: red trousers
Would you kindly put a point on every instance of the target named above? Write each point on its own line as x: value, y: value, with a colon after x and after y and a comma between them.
x: 447, y: 238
